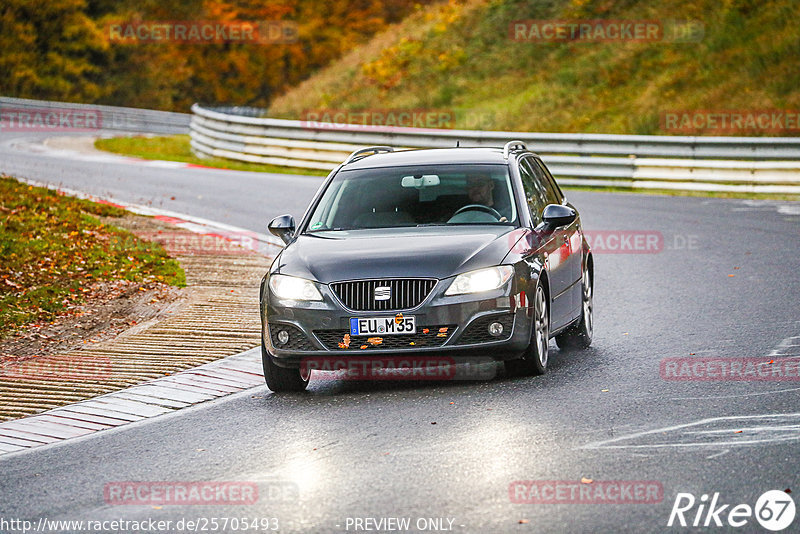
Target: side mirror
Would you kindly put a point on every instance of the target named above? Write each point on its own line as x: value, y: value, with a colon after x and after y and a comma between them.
x: 555, y: 215
x: 282, y: 227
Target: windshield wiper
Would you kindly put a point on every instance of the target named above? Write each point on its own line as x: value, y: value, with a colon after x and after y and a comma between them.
x: 337, y: 229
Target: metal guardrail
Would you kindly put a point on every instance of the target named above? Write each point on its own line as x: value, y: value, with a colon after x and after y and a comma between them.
x: 750, y: 164
x: 755, y: 164
x: 108, y: 117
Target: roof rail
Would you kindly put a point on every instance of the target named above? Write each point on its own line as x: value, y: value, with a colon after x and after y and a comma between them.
x: 366, y: 152
x: 513, y: 145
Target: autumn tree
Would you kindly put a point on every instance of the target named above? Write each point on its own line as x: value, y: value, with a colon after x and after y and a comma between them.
x: 62, y: 49
x: 51, y: 49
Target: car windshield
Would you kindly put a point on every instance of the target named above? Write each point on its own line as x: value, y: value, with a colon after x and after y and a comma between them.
x: 416, y: 196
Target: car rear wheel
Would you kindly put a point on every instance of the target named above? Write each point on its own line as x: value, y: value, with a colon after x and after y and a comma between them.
x: 534, y: 360
x: 579, y: 336
x: 282, y: 379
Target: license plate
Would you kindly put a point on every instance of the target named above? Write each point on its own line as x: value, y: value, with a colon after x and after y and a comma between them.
x: 383, y: 326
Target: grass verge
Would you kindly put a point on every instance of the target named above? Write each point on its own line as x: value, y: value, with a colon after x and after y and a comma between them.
x: 54, y: 248
x: 177, y: 148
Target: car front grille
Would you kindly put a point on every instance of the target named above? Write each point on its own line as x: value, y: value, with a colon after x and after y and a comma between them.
x: 430, y: 336
x: 478, y: 330
x: 403, y: 293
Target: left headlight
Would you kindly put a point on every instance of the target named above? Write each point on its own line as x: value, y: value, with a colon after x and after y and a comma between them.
x: 480, y: 280
x: 293, y: 288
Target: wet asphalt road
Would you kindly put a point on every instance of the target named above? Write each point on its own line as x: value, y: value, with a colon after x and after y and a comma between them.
x: 348, y: 450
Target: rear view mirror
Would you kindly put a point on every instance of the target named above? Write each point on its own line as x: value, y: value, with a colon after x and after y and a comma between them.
x: 420, y: 181
x: 282, y: 227
x: 555, y: 215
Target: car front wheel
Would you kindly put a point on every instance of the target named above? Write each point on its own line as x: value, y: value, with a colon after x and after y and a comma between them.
x: 579, y: 336
x: 534, y: 360
x: 282, y: 379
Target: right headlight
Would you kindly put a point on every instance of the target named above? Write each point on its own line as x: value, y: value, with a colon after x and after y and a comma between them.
x: 293, y: 288
x: 480, y: 280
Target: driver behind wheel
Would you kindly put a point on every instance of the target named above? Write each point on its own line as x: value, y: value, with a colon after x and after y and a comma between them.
x: 480, y: 189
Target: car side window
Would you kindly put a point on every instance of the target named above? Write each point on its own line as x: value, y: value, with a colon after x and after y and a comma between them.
x: 539, y: 181
x: 534, y: 194
x: 554, y: 194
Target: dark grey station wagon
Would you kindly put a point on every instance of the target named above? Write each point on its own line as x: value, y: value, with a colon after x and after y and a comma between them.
x: 457, y: 252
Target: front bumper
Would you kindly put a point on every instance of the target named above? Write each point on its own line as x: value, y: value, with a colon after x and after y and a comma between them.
x: 452, y: 326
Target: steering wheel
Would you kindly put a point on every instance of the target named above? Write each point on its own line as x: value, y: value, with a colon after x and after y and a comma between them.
x: 479, y: 207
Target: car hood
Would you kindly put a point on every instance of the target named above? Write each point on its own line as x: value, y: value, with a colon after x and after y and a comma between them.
x: 424, y: 252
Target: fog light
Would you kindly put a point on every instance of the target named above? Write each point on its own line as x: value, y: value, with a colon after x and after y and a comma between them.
x: 495, y: 329
x: 283, y: 337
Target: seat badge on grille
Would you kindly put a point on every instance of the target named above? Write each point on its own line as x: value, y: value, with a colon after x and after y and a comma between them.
x: 383, y: 293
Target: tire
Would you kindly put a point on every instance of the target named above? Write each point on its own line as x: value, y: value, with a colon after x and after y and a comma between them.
x: 579, y: 335
x: 281, y: 379
x: 534, y: 360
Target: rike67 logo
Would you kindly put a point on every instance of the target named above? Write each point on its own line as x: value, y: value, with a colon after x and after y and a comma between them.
x: 774, y: 510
